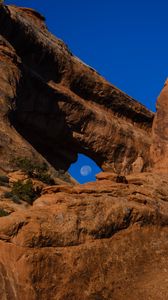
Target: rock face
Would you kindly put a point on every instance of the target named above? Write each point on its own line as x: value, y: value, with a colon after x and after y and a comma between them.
x: 159, y: 147
x: 52, y: 94
x: 104, y: 240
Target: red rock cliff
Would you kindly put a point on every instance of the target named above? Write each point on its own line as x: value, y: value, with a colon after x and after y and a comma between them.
x: 53, y: 94
x: 159, y: 147
x: 103, y: 240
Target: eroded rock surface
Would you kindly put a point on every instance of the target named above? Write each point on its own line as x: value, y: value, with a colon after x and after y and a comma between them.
x: 52, y: 94
x: 95, y: 241
x: 159, y: 148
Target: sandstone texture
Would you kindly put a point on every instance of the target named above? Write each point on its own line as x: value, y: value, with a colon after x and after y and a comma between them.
x: 59, y: 240
x: 101, y: 240
x: 52, y: 98
x: 159, y: 147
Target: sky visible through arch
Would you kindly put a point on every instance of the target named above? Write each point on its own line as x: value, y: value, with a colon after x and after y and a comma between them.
x: 125, y: 41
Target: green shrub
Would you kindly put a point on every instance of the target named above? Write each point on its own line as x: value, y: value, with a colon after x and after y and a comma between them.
x: 46, y: 178
x: 3, y: 213
x: 25, y: 191
x: 34, y: 170
x: 4, y: 180
x: 8, y: 194
x: 41, y: 167
x: 24, y: 164
x: 15, y: 198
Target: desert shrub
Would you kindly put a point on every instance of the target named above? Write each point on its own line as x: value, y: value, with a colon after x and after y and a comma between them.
x: 3, y: 213
x: 34, y: 170
x: 41, y: 167
x: 15, y: 199
x: 25, y: 191
x: 46, y: 178
x: 4, y: 180
x: 10, y: 195
x: 24, y: 164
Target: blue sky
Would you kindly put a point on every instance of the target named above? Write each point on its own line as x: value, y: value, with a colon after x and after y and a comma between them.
x: 84, y: 169
x: 125, y: 41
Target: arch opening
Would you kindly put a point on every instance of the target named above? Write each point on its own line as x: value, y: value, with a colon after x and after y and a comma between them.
x: 84, y: 169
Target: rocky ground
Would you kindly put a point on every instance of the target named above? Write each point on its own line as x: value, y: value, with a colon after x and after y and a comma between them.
x: 102, y: 240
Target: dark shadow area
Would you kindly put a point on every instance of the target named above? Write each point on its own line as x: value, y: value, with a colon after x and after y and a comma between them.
x: 31, y: 47
x: 37, y: 117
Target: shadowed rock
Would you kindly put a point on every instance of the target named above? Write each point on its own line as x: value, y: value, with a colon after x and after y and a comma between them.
x: 159, y: 148
x: 58, y: 100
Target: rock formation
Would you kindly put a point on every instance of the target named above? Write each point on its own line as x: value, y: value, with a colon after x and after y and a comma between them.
x: 60, y: 240
x: 159, y: 147
x: 59, y: 97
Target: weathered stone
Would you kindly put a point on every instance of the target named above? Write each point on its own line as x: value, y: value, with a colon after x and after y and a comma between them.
x: 52, y: 94
x: 105, y: 240
x: 159, y: 147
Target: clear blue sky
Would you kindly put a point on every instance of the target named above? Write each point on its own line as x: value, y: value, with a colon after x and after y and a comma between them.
x: 126, y: 41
